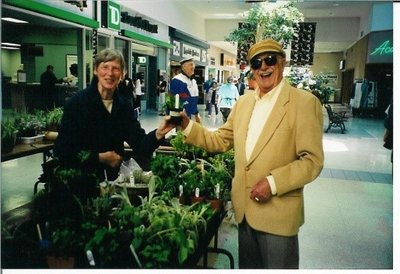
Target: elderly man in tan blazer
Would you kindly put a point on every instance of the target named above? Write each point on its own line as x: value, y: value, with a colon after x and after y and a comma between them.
x: 276, y: 132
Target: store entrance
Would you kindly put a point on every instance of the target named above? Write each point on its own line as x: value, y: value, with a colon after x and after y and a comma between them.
x: 347, y: 86
x: 382, y: 74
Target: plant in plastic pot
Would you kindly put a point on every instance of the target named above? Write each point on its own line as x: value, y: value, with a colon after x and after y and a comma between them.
x: 8, y: 135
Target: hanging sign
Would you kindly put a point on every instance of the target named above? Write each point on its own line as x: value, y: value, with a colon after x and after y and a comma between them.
x: 189, y: 51
x: 111, y: 15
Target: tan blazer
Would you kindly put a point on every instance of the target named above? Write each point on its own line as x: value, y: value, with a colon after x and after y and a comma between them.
x: 289, y: 149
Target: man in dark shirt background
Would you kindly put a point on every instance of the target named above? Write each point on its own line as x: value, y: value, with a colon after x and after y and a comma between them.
x: 48, y: 84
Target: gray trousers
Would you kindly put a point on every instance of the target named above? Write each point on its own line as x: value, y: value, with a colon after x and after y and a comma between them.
x: 259, y: 250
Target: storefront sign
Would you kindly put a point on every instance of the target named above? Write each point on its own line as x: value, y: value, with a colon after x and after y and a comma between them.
x: 94, y: 42
x: 111, y: 15
x: 141, y: 60
x: 384, y: 48
x: 204, y: 56
x: 138, y: 22
x: 189, y: 51
x: 177, y: 48
x: 380, y: 47
x: 332, y: 78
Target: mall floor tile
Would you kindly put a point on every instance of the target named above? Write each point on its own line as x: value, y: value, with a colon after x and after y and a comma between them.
x: 348, y: 208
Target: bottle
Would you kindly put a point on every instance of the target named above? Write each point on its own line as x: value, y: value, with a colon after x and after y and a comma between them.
x: 21, y: 74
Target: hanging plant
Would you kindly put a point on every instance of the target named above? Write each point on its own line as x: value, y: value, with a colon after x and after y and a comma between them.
x: 259, y: 24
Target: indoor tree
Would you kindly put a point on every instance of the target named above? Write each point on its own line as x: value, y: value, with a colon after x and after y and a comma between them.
x: 260, y: 23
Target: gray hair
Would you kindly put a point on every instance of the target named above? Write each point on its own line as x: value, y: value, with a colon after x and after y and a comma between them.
x: 107, y: 55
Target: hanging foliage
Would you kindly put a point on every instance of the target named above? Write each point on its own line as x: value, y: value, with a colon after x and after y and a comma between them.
x: 259, y: 24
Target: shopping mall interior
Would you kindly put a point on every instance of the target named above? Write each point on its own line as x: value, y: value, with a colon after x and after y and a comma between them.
x: 349, y: 208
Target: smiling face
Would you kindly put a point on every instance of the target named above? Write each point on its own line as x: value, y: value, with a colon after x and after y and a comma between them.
x: 188, y: 68
x: 268, y: 76
x: 109, y: 74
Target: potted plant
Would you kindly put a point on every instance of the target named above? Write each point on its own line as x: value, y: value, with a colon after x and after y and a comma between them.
x: 173, y: 105
x: 185, y: 150
x: 65, y: 243
x: 30, y: 126
x: 53, y: 122
x: 166, y: 168
x: 168, y: 233
x: 8, y: 135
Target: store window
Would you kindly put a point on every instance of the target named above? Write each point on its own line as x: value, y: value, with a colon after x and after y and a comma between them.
x: 91, y: 45
x: 123, y: 47
x: 103, y: 42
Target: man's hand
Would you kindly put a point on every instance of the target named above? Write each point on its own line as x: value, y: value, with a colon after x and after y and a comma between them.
x: 164, y: 128
x: 261, y: 191
x: 110, y: 158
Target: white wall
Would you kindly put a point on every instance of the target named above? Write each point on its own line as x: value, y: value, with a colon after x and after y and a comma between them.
x: 10, y: 61
x: 217, y: 30
x: 170, y: 14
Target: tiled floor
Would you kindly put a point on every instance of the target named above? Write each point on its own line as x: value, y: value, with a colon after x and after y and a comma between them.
x: 349, y: 207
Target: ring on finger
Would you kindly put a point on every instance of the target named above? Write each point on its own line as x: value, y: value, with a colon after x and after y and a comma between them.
x: 257, y: 199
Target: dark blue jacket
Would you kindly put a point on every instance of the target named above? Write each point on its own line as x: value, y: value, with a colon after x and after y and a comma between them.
x: 87, y: 126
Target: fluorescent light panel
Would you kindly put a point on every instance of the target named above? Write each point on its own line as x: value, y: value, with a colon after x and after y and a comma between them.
x: 10, y: 44
x: 14, y: 20
x: 6, y: 47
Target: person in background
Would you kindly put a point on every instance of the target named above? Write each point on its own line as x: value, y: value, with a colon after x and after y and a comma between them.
x: 227, y: 96
x: 388, y: 123
x: 207, y: 84
x: 186, y: 86
x: 162, y: 88
x: 212, y: 99
x: 72, y: 78
x: 48, y: 82
x: 241, y: 85
x: 251, y: 83
x: 126, y: 88
x: 95, y: 124
x: 276, y: 132
x: 138, y: 93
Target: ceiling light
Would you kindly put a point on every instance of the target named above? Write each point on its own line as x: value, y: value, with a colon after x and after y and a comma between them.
x: 14, y: 48
x: 14, y: 20
x: 10, y: 44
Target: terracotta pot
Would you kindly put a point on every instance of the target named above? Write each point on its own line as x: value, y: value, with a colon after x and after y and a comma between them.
x: 195, y: 199
x: 51, y: 135
x: 216, y: 204
x: 60, y: 262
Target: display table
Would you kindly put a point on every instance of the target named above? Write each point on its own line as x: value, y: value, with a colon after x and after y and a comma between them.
x: 205, y: 237
x: 204, y: 241
x: 22, y: 150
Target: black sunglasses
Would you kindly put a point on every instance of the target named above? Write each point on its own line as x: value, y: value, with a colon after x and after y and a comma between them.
x: 270, y: 60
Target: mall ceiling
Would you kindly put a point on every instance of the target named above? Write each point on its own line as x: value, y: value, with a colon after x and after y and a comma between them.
x: 315, y: 9
x: 234, y: 9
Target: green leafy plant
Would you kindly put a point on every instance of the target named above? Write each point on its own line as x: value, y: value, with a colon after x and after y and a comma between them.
x: 167, y: 169
x: 185, y: 150
x: 170, y: 102
x: 8, y: 135
x: 66, y: 240
x: 53, y: 118
x: 322, y: 87
x: 259, y: 24
x: 169, y: 231
x: 30, y: 124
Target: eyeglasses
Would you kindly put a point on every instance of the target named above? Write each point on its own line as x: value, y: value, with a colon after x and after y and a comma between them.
x: 270, y: 60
